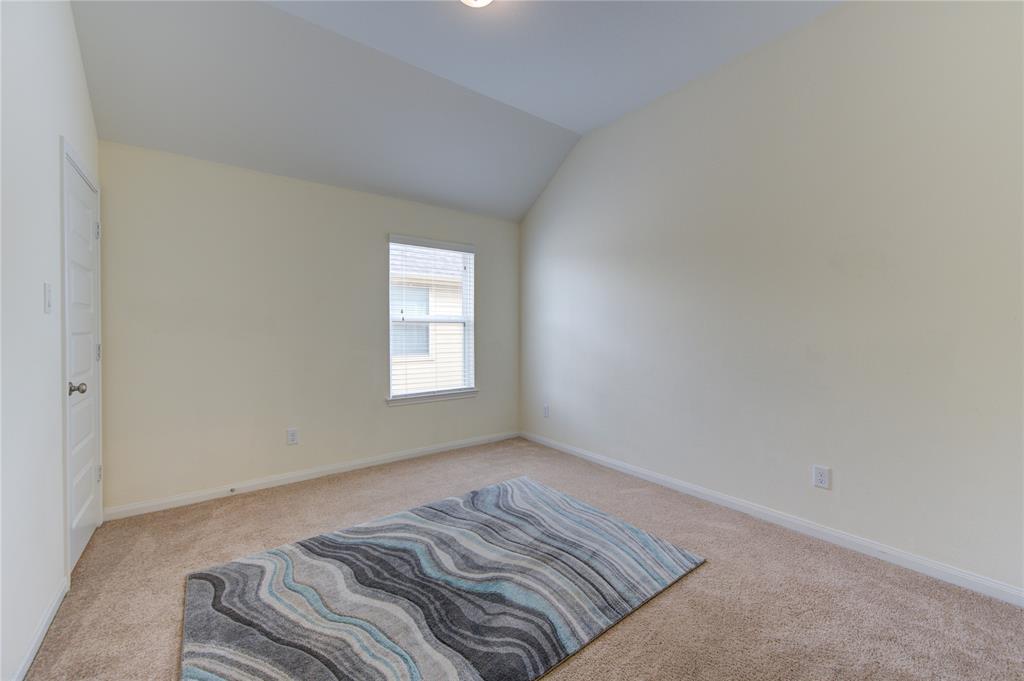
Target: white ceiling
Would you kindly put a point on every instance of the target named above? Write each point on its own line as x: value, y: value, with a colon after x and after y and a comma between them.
x: 578, y: 64
x: 432, y: 101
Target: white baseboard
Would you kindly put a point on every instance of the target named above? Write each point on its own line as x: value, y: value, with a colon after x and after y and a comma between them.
x: 927, y: 566
x: 40, y: 632
x: 140, y: 507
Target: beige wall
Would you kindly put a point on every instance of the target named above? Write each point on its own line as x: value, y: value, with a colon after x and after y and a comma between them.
x: 237, y: 304
x: 44, y: 97
x: 812, y: 255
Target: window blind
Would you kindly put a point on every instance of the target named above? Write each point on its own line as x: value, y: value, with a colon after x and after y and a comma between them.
x: 432, y: 310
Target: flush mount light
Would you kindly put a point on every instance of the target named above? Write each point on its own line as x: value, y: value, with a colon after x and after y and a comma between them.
x: 476, y: 4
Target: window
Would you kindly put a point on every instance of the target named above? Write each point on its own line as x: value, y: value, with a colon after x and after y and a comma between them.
x: 431, y: 309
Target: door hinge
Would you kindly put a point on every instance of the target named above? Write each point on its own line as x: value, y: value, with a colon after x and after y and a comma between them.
x: 99, y: 473
x: 97, y: 230
x: 99, y: 351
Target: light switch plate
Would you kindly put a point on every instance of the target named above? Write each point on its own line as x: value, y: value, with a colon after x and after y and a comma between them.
x: 47, y: 297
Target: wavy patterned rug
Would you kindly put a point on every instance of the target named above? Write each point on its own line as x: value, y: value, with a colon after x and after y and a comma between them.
x: 501, y: 584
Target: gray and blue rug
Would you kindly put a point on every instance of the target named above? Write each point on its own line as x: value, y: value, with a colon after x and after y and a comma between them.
x: 501, y: 584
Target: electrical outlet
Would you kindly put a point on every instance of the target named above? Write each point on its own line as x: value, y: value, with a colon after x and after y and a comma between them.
x: 547, y: 411
x: 821, y: 476
x: 292, y: 436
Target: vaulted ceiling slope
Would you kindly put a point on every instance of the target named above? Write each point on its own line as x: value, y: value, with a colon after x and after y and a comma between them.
x: 246, y: 84
x: 578, y: 64
x: 431, y: 101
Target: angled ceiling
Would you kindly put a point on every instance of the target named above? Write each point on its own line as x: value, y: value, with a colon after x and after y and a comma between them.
x: 246, y: 84
x: 578, y: 64
x: 431, y: 101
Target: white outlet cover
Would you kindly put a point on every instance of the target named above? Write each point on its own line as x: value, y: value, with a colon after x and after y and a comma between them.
x: 547, y: 411
x: 292, y: 436
x: 821, y: 476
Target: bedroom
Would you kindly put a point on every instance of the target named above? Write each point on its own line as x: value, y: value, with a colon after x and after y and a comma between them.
x: 729, y: 293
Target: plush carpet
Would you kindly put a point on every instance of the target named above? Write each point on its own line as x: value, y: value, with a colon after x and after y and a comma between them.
x: 769, y: 605
x: 500, y: 584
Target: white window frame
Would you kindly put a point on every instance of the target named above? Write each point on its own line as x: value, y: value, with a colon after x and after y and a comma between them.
x: 469, y: 320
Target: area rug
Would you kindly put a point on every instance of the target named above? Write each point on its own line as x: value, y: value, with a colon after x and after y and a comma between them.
x: 500, y: 584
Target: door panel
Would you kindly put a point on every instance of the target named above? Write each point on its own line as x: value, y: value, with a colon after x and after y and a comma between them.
x: 82, y: 337
x: 82, y: 347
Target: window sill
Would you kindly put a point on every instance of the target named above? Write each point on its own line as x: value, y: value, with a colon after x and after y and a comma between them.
x: 432, y: 397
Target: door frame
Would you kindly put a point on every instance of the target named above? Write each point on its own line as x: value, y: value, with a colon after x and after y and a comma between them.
x: 69, y: 161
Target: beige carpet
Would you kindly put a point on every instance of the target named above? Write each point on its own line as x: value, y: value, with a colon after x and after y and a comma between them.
x: 768, y: 604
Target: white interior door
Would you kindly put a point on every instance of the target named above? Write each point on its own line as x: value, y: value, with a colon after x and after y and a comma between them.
x: 82, y: 357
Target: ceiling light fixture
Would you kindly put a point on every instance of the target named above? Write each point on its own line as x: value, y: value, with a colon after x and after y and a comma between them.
x: 476, y: 4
